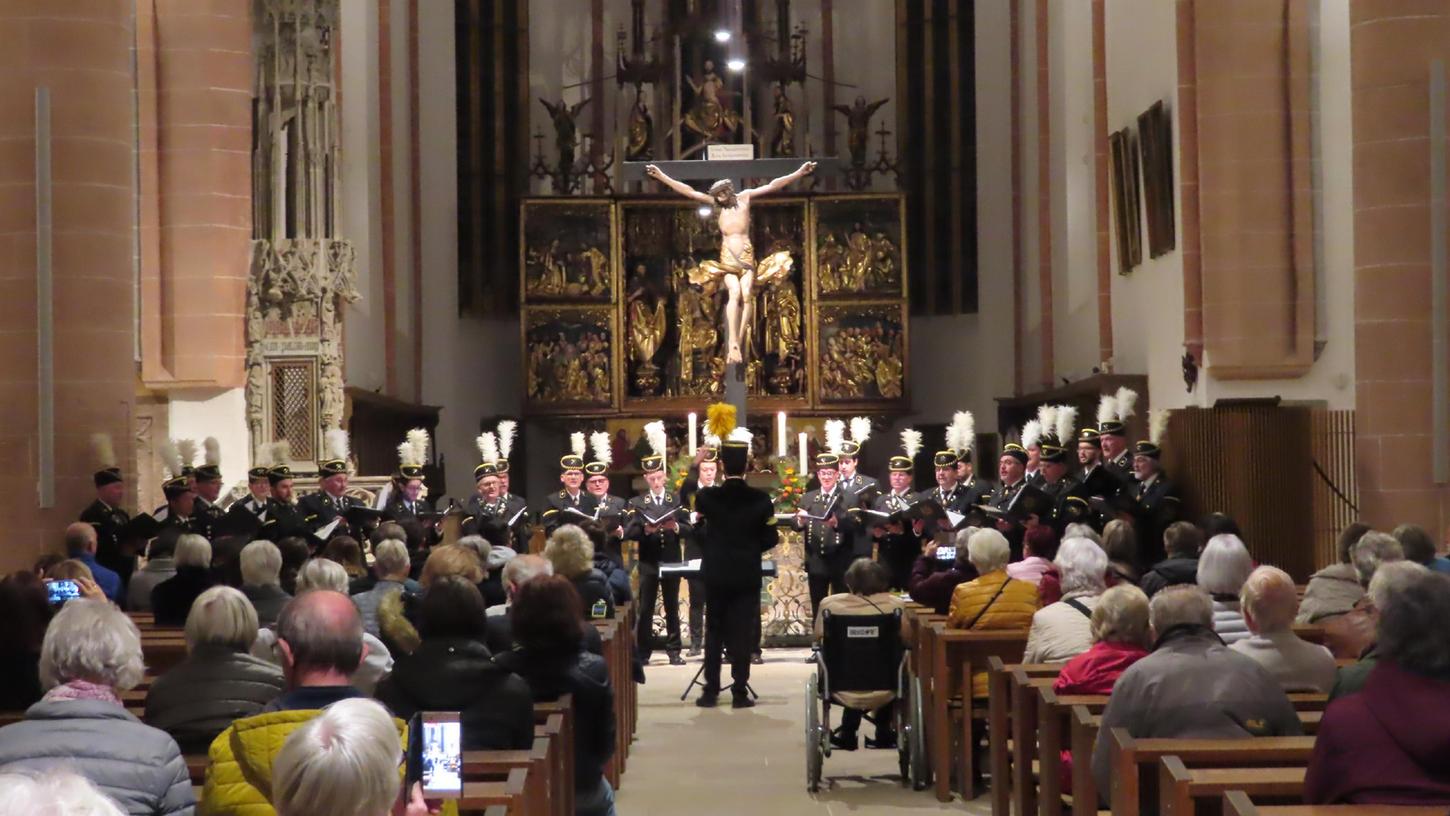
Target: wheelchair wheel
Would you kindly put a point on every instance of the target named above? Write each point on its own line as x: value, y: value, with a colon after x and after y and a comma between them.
x: 815, y: 737
x: 915, y: 740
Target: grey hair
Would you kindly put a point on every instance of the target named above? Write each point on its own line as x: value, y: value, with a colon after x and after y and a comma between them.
x: 322, y: 573
x: 1179, y: 605
x: 1121, y: 616
x: 55, y: 792
x: 1391, y: 579
x: 222, y: 616
x: 1370, y: 551
x: 93, y: 641
x: 1224, y: 565
x: 261, y: 564
x: 1269, y: 597
x: 988, y: 550
x: 193, y: 550
x: 1080, y: 530
x: 526, y: 568
x: 480, y: 545
x: 570, y: 550
x: 1083, y: 565
x: 344, y: 760
x: 390, y: 557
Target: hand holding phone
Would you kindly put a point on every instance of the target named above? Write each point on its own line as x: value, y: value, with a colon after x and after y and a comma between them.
x: 57, y: 592
x: 435, y: 753
x: 946, y: 553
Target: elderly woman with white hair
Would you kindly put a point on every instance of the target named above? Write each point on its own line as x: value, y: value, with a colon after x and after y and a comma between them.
x: 322, y: 573
x: 1063, y: 630
x: 54, y: 793
x: 261, y: 564
x: 571, y: 552
x: 171, y: 599
x: 1349, y: 634
x: 91, y: 653
x: 344, y: 760
x: 1269, y: 602
x: 1223, y: 568
x: 219, y: 681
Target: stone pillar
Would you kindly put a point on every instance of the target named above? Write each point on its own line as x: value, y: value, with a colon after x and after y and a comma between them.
x: 1392, y: 44
x: 81, y: 52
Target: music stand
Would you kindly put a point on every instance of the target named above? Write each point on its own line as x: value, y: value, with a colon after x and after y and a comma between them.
x: 692, y: 569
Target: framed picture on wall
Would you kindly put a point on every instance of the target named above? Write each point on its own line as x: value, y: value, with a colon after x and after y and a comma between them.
x: 1155, y: 128
x: 861, y: 353
x: 565, y: 251
x: 569, y: 358
x: 1123, y: 180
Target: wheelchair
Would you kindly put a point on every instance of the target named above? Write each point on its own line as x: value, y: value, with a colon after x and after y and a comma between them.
x: 864, y: 653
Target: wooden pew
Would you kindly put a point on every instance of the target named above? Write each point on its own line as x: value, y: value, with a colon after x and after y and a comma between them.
x: 1133, y: 760
x: 1239, y: 803
x: 479, y: 796
x: 956, y: 654
x: 1180, y: 788
x: 1006, y: 764
x: 555, y: 720
x: 538, y: 791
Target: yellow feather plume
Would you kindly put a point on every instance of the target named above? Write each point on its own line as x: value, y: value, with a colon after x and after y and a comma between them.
x: 720, y: 419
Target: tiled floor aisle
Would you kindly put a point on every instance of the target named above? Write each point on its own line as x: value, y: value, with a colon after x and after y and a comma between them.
x: 688, y: 761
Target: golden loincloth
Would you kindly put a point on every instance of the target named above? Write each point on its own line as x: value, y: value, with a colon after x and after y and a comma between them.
x: 776, y: 266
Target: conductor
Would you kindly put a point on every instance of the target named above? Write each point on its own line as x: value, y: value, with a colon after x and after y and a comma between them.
x: 737, y: 526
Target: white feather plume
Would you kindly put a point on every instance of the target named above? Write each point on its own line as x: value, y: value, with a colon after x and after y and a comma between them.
x: 104, y: 449
x: 711, y: 441
x: 1031, y: 433
x: 577, y: 445
x: 1066, y: 424
x: 599, y: 441
x: 860, y: 429
x: 1127, y: 403
x: 488, y: 449
x: 263, y: 458
x: 418, y: 441
x: 1157, y: 425
x: 1047, y: 419
x: 338, y: 446
x: 962, y: 432
x: 212, y: 451
x: 170, y: 457
x: 741, y: 434
x: 405, y: 454
x: 654, y: 434
x: 911, y: 442
x: 281, y: 453
x: 1107, y: 408
x: 835, y: 435
x: 186, y: 449
x: 507, y: 428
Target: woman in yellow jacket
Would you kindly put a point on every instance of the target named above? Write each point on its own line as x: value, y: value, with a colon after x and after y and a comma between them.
x: 994, y: 600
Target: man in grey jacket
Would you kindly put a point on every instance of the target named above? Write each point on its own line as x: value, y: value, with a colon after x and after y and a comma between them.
x: 1192, y: 685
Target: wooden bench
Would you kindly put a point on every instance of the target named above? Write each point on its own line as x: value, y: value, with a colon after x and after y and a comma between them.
x: 1181, y: 788
x: 539, y: 793
x: 1239, y: 803
x: 478, y: 797
x: 955, y: 655
x: 1005, y: 763
x: 1132, y: 760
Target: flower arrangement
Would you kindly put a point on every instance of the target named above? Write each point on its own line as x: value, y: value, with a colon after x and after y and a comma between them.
x: 792, y: 485
x: 679, y: 470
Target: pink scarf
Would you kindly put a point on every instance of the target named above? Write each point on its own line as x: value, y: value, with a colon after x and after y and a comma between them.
x: 82, y: 690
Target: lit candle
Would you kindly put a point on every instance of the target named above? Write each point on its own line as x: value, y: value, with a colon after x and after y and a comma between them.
x: 782, y: 445
x: 802, y: 438
x: 693, y: 443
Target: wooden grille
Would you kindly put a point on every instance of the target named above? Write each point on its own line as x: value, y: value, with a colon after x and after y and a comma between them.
x: 294, y: 406
x: 1336, y: 491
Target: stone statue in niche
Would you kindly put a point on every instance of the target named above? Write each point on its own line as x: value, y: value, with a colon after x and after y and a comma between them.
x: 858, y: 126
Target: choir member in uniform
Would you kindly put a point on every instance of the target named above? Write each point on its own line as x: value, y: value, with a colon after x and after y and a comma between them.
x: 566, y: 506
x: 1113, y: 413
x: 283, y: 519
x: 1069, y: 502
x: 105, y: 513
x: 962, y: 439
x: 1011, y: 477
x: 1089, y: 452
x: 822, y: 516
x: 320, y: 509
x: 608, y: 508
x: 176, y: 487
x: 897, y: 543
x: 657, y: 522
x: 1157, y: 501
x: 259, y: 488
x: 206, y: 483
x: 702, y: 474
x: 408, y: 501
x: 515, y: 506
x: 862, y: 489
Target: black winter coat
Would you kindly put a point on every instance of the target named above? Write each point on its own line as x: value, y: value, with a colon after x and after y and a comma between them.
x: 457, y: 674
x: 586, y: 676
x: 171, y: 599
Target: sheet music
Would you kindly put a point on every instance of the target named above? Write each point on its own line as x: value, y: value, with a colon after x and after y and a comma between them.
x: 661, y: 518
x: 515, y: 519
x: 326, y: 530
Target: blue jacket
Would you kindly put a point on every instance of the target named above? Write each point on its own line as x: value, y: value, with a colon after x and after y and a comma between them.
x: 106, y: 578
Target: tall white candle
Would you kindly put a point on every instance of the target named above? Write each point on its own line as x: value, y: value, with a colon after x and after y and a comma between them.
x: 693, y: 436
x: 782, y: 444
x: 802, y: 439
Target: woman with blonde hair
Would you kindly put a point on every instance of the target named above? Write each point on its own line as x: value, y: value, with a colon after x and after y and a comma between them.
x: 571, y: 552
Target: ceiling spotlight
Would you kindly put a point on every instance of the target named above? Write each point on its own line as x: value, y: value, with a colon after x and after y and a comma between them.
x: 722, y: 35
x: 735, y: 64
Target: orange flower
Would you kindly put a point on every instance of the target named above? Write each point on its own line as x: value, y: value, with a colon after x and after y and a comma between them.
x: 790, y: 471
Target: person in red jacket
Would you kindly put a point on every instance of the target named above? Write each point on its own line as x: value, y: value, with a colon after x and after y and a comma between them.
x: 1390, y: 743
x: 1120, y: 639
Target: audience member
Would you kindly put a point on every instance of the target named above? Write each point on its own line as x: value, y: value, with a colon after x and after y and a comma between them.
x: 1079, y: 530
x: 320, y: 640
x: 1419, y: 547
x: 219, y: 680
x: 226, y: 560
x: 1388, y: 581
x: 491, y: 587
x: 1350, y: 634
x: 1269, y: 601
x: 993, y: 600
x: 1192, y: 685
x: 612, y: 568
x: 26, y: 611
x: 91, y: 653
x: 1182, y: 542
x: 550, y: 658
x: 346, y: 551
x: 1387, y: 745
x: 58, y: 792
x: 1222, y: 569
x: 1219, y: 524
x: 326, y: 574
x: 1335, y: 589
x: 397, y: 612
x: 171, y: 599
x: 572, y: 555
x: 1063, y: 630
x: 262, y: 580
x: 1039, y: 547
x: 160, y: 566
x: 295, y: 553
x: 80, y: 545
x: 392, y: 566
x: 343, y: 761
x: 868, y: 584
x: 71, y: 569
x: 452, y: 670
x: 1120, y: 542
x: 932, y: 586
x: 45, y: 563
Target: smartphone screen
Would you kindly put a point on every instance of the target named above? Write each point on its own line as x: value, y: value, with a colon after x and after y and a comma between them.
x: 946, y: 553
x: 437, y: 737
x: 58, y: 592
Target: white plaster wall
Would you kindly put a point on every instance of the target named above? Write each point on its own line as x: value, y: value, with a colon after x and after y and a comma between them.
x: 1148, y: 304
x: 1031, y: 329
x: 360, y: 205
x: 222, y: 414
x: 407, y: 383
